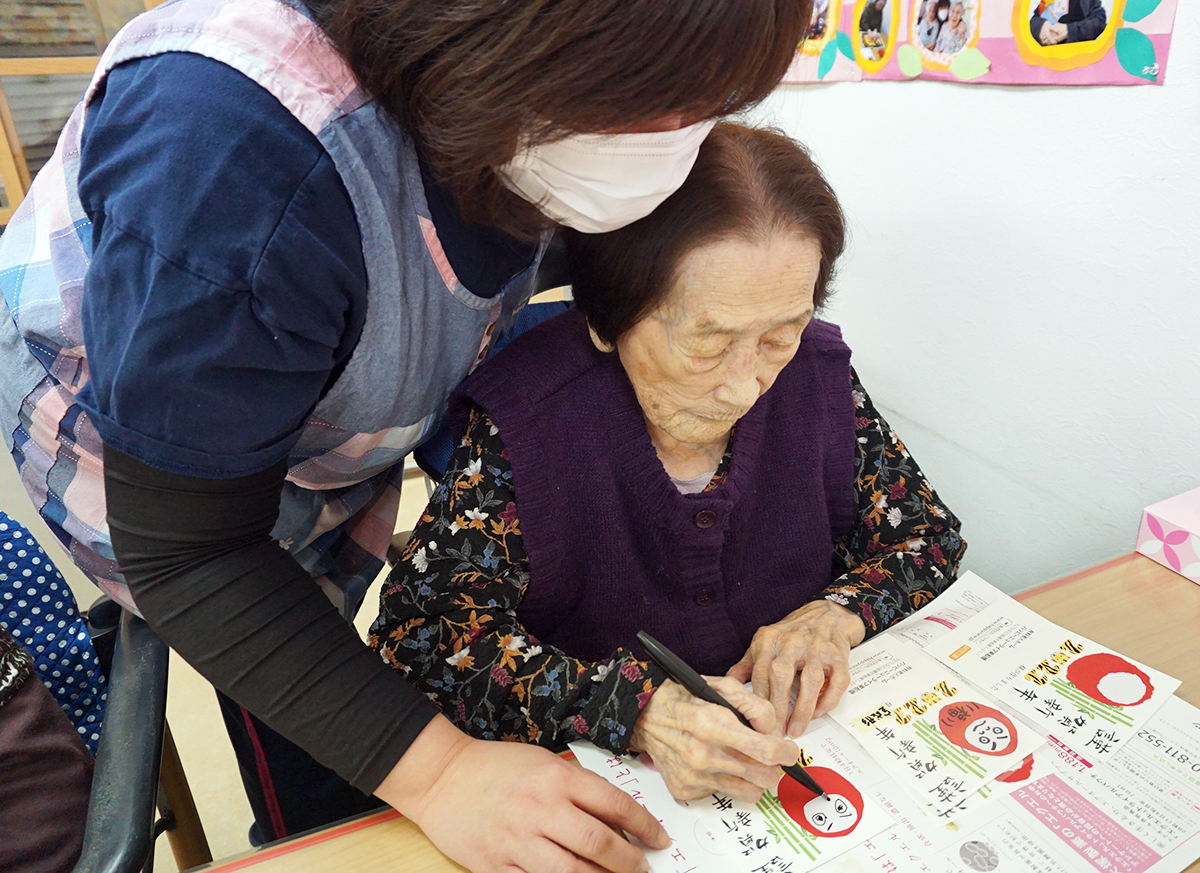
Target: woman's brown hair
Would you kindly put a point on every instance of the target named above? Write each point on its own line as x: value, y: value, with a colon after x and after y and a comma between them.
x: 747, y: 183
x: 472, y: 79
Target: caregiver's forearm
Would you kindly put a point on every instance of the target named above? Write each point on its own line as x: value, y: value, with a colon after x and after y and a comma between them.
x: 204, y: 571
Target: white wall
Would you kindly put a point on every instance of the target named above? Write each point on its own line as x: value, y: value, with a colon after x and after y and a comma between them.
x: 1023, y: 297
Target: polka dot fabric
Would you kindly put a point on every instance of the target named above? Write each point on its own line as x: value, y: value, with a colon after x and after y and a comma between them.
x: 38, y: 609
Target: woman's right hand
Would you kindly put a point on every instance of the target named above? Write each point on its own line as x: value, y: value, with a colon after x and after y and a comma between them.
x: 700, y: 747
x: 511, y: 807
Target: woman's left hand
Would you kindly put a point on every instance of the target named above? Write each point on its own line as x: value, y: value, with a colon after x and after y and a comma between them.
x: 813, y: 644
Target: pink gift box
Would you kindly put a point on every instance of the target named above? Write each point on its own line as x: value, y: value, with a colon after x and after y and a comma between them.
x: 1170, y: 534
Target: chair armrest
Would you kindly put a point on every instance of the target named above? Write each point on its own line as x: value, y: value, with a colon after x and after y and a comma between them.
x: 125, y: 783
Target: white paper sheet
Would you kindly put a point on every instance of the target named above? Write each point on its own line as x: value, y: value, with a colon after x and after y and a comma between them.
x: 1138, y: 812
x: 957, y: 604
x: 785, y: 832
x: 936, y: 734
x: 1134, y: 809
x: 1085, y: 697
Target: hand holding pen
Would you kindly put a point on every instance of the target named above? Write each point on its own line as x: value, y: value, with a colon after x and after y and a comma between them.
x: 772, y: 750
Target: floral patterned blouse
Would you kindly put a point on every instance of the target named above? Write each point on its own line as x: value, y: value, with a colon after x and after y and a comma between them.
x: 448, y: 610
x: 16, y: 666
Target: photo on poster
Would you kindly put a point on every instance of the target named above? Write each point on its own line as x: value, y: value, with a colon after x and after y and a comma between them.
x: 875, y: 29
x: 943, y: 28
x: 820, y: 20
x: 1059, y: 22
x: 822, y: 28
x: 987, y: 42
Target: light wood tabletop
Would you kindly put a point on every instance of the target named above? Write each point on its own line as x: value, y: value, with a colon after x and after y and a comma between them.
x: 1130, y: 604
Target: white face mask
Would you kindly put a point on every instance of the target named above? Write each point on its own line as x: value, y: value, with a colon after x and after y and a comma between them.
x: 600, y: 182
x: 943, y: 14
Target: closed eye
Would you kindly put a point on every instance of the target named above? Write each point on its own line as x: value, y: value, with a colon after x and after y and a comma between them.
x: 777, y: 345
x: 706, y: 352
x: 704, y: 363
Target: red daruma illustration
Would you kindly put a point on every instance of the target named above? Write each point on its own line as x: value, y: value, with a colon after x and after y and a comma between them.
x: 1110, y: 679
x: 834, y: 815
x: 978, y: 728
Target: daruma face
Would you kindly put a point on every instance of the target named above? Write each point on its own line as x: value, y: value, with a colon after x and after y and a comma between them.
x: 831, y: 813
x: 978, y: 728
x: 834, y: 815
x: 988, y: 735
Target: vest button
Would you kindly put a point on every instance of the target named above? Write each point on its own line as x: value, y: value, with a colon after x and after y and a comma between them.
x: 705, y: 519
x: 704, y: 597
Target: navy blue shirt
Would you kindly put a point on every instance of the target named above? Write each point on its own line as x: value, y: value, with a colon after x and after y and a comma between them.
x: 227, y: 287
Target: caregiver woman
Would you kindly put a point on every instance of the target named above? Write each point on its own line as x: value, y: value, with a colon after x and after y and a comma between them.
x: 284, y: 235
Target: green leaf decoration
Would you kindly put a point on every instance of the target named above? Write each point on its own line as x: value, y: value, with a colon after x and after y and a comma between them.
x: 1136, y: 10
x: 845, y: 46
x: 970, y: 64
x: 1135, y: 51
x: 910, y: 61
x: 828, y: 56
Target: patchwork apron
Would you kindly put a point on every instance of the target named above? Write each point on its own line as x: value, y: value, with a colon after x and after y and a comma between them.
x: 424, y: 331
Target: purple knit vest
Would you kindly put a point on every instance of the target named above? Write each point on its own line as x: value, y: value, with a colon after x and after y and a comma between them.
x: 613, y: 546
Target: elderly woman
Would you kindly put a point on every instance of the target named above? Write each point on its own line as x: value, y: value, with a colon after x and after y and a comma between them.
x: 930, y: 25
x: 953, y: 37
x: 686, y: 451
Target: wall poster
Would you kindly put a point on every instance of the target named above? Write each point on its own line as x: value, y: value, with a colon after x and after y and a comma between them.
x: 988, y: 42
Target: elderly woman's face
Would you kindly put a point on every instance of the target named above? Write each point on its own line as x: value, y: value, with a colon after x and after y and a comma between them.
x: 956, y: 14
x: 732, y: 321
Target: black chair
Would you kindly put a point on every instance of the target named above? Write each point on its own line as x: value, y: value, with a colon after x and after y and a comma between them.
x: 138, y: 787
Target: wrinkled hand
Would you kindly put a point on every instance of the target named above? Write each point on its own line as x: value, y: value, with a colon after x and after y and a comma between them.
x: 700, y: 747
x: 508, y: 807
x: 812, y: 644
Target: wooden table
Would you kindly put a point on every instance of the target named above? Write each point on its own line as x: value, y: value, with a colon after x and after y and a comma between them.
x: 1130, y: 604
